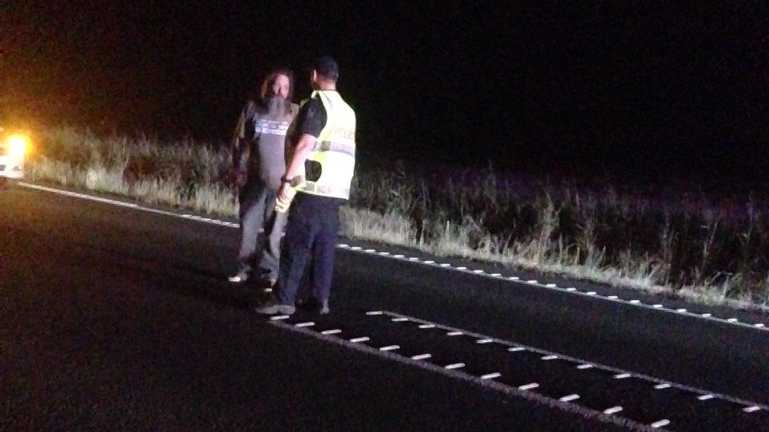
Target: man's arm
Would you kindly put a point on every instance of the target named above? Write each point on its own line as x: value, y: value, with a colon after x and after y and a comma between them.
x: 310, y: 122
x: 240, y: 139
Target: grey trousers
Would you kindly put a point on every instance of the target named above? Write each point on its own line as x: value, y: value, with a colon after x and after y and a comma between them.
x: 261, y: 229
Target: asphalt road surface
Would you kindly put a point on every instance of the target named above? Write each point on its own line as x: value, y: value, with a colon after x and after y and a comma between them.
x: 118, y: 318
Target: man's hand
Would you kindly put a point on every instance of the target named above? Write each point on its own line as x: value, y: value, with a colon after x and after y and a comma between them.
x: 239, y: 177
x: 285, y: 195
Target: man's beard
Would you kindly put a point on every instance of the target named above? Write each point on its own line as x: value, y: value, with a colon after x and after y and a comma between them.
x: 277, y: 105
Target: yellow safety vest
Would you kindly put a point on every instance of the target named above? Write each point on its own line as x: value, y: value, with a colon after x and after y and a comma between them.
x: 334, y: 149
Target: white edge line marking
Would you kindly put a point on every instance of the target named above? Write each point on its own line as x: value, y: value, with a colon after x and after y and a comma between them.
x: 305, y: 324
x: 586, y: 365
x: 421, y: 356
x: 530, y: 386
x: 454, y: 333
x: 550, y: 357
x: 622, y: 376
x: 360, y: 339
x: 484, y: 341
x: 331, y: 332
x: 752, y: 409
x: 455, y: 366
x: 660, y: 423
x: 279, y: 317
x: 732, y: 321
x: 390, y: 348
x: 373, y: 313
x: 426, y: 326
x: 534, y: 397
x: 662, y: 386
x: 705, y: 397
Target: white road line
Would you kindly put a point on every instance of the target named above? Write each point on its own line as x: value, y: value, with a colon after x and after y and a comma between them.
x: 484, y: 341
x: 549, y: 357
x: 662, y: 386
x: 360, y: 339
x: 426, y: 326
x: 399, y: 319
x: 305, y: 324
x: 374, y: 313
x: 457, y: 373
x: 569, y: 398
x: 455, y: 366
x: 390, y: 348
x: 331, y: 332
x: 752, y: 409
x: 491, y: 375
x: 530, y: 386
x: 705, y: 397
x: 612, y: 410
x: 660, y: 423
x: 125, y: 204
x: 421, y: 356
x: 454, y: 333
x: 582, y: 364
x: 279, y: 317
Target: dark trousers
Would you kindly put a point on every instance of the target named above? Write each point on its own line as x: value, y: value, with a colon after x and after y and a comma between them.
x: 311, y: 234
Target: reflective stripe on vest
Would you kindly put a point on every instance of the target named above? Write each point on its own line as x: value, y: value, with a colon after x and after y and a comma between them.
x: 334, y: 149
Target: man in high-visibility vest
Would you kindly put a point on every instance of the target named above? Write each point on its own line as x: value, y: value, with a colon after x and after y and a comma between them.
x: 316, y: 184
x: 259, y: 164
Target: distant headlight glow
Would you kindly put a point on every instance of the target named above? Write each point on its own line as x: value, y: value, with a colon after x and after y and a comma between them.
x: 18, y: 145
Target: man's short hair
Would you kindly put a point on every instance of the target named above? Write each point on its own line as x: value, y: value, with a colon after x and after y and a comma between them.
x: 327, y: 68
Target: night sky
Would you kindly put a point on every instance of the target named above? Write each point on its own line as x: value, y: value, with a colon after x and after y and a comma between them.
x: 645, y: 87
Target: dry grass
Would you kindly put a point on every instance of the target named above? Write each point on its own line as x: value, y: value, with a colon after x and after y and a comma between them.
x: 710, y: 250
